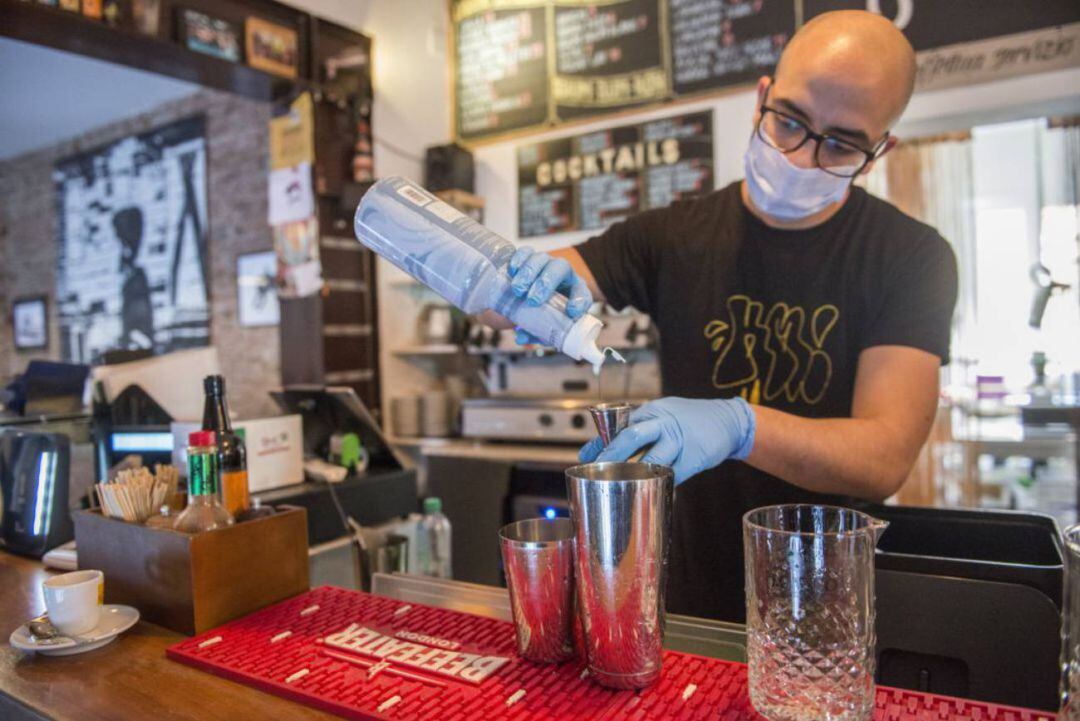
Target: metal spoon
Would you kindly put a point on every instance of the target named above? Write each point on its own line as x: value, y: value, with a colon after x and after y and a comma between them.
x: 45, y: 633
x: 42, y: 630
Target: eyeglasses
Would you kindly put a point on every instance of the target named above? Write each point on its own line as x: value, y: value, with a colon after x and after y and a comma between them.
x: 834, y: 155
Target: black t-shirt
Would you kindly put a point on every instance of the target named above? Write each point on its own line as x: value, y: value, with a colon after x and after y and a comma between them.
x: 778, y: 317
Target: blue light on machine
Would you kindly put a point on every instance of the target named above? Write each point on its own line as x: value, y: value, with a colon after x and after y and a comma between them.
x: 549, y: 513
x: 141, y: 442
x: 46, y: 479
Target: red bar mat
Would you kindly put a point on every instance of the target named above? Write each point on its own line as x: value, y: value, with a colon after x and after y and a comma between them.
x: 370, y: 657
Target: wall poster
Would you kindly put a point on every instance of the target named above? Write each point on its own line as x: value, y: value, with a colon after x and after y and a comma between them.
x: 586, y: 182
x: 132, y: 263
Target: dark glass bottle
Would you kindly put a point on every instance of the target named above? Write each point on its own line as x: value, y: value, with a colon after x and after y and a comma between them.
x: 232, y: 454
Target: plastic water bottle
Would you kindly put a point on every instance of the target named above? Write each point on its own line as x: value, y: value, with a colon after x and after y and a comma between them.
x: 464, y: 262
x: 433, y: 537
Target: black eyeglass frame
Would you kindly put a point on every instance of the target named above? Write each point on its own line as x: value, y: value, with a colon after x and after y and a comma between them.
x: 810, y: 134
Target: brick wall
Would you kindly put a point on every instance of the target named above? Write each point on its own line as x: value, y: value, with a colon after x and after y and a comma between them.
x: 236, y: 136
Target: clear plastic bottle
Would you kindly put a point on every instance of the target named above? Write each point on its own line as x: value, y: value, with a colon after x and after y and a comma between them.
x: 433, y: 537
x: 463, y: 262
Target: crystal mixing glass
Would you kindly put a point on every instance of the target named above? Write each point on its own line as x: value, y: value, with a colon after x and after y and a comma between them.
x: 810, y: 612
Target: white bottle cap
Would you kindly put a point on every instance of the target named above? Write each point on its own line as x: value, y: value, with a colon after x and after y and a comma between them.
x: 580, y: 343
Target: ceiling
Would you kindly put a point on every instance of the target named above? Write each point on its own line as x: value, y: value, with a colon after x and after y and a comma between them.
x: 50, y: 95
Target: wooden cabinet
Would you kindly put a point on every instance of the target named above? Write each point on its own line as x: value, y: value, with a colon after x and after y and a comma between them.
x: 332, y: 338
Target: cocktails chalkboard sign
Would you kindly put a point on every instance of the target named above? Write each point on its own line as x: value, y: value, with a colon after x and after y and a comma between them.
x: 589, y: 181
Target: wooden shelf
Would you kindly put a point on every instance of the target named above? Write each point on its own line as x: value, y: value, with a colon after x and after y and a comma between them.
x: 408, y: 283
x: 434, y: 349
x: 73, y: 32
x: 539, y: 351
x: 419, y: 441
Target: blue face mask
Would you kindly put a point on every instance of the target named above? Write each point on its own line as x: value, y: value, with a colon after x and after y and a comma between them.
x: 784, y: 191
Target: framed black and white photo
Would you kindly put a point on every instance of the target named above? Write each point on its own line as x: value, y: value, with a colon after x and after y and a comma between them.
x: 30, y: 320
x: 132, y: 260
x: 256, y: 289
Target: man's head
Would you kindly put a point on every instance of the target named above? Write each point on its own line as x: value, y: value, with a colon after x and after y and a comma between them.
x: 128, y: 226
x: 848, y: 73
x: 841, y: 84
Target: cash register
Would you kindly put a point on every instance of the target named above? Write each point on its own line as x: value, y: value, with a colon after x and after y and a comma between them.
x: 371, y: 493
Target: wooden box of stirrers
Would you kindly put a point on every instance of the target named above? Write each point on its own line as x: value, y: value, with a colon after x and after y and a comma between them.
x: 192, y: 583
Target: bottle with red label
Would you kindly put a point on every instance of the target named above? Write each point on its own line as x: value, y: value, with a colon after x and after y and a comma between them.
x: 204, y: 511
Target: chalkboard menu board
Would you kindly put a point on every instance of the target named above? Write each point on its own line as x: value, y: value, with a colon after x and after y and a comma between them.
x: 718, y: 42
x: 534, y: 63
x: 607, y: 55
x: 531, y: 63
x: 502, y: 80
x: 589, y: 181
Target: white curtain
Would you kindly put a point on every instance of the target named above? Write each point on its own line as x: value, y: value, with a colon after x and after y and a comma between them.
x: 931, y: 179
x: 1059, y: 237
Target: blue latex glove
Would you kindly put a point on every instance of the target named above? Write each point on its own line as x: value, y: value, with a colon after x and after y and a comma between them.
x: 687, y: 434
x: 537, y: 276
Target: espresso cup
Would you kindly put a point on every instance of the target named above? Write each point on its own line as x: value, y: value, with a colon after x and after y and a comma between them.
x: 74, y: 600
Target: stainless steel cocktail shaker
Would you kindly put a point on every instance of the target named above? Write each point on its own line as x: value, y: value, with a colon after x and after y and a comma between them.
x: 622, y: 520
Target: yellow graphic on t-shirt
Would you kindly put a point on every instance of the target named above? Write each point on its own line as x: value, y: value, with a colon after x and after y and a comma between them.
x: 774, y: 354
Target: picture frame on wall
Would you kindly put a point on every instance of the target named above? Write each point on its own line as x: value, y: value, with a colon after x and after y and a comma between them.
x: 92, y: 9
x: 209, y: 35
x: 272, y: 47
x: 30, y: 323
x: 146, y: 15
x: 256, y: 289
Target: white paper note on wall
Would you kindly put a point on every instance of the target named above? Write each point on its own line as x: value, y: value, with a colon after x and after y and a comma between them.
x: 291, y: 196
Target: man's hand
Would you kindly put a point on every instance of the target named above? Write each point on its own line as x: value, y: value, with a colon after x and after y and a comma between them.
x: 537, y: 276
x: 689, y: 435
x: 578, y: 270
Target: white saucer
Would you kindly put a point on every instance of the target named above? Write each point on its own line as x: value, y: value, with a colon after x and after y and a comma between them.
x: 115, y: 619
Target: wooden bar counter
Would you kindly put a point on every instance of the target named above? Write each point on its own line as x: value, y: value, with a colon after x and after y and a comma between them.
x: 127, y: 679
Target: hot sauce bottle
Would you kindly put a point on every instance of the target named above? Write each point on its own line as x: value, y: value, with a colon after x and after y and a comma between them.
x: 204, y: 512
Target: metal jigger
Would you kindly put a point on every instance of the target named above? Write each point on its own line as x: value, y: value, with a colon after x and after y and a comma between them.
x: 610, y: 418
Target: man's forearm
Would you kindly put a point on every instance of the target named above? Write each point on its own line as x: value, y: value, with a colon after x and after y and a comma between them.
x: 858, y: 457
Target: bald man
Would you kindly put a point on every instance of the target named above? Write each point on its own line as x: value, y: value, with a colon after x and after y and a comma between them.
x: 802, y: 321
